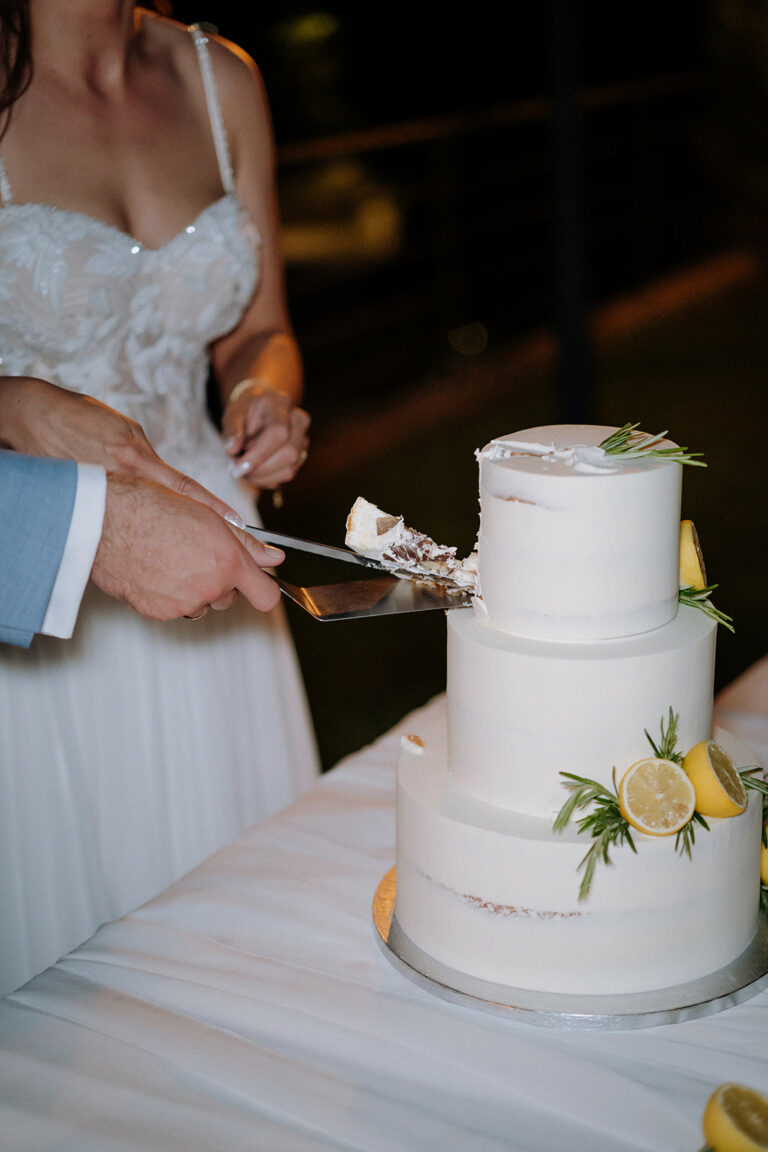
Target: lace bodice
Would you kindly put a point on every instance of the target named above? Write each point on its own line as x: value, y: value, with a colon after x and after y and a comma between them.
x: 87, y: 306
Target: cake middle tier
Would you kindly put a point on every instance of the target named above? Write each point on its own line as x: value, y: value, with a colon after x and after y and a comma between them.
x: 522, y: 711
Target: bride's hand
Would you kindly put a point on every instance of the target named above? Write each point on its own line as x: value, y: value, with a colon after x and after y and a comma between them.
x: 266, y: 434
x: 41, y: 419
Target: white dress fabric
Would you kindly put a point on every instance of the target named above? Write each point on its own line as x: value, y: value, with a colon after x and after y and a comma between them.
x: 136, y: 749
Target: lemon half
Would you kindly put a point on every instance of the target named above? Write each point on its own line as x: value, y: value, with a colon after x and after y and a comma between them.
x: 736, y: 1119
x: 692, y: 571
x: 656, y: 797
x: 719, y: 789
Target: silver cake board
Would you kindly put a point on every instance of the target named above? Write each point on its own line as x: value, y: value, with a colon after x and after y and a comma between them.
x: 739, y: 981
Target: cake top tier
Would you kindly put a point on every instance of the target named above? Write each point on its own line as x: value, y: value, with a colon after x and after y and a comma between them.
x: 571, y: 450
x: 576, y: 542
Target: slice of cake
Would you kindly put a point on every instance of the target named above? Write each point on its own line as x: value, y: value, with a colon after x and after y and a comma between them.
x: 404, y: 551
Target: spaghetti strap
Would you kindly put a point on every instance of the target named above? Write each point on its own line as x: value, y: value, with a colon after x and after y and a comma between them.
x: 6, y: 196
x: 214, y: 110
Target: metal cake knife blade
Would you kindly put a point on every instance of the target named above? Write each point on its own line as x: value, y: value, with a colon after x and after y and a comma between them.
x: 328, y: 550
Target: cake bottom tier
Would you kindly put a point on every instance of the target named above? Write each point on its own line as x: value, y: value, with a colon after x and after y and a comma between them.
x: 494, y: 894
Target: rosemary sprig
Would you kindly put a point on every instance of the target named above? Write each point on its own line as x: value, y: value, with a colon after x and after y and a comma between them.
x: 609, y: 829
x: 634, y: 445
x: 605, y: 824
x: 665, y: 749
x: 756, y: 784
x: 699, y: 598
x: 759, y: 784
x: 686, y: 837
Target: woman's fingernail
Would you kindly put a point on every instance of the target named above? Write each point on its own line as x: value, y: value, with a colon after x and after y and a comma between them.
x: 242, y: 468
x: 233, y: 518
x: 229, y: 444
x: 279, y: 554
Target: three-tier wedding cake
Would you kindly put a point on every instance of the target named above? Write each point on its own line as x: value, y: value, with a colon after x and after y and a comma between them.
x: 576, y: 650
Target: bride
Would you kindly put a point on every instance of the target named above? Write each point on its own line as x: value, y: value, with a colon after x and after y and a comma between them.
x: 138, y: 253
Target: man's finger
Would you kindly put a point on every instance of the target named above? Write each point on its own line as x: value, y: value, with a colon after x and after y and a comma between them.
x: 225, y: 601
x: 265, y: 555
x: 184, y: 485
x: 262, y: 592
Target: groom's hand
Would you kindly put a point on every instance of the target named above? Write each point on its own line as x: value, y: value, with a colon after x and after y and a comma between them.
x: 169, y: 556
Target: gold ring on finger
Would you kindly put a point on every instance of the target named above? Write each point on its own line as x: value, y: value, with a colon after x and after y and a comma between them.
x: 199, y: 615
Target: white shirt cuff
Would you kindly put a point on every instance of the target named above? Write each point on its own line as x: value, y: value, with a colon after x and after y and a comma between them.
x: 79, y: 552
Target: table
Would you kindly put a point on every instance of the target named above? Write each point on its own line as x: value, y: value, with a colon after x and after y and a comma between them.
x: 250, y: 1007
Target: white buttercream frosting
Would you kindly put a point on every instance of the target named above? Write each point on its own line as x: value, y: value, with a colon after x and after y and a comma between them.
x: 588, y: 459
x: 523, y: 710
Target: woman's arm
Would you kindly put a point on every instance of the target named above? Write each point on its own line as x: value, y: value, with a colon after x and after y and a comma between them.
x: 258, y: 365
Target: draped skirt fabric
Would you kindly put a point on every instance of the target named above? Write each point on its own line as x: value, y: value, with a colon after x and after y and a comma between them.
x: 130, y: 753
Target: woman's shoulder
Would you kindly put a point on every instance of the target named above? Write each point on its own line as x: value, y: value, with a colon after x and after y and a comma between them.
x: 241, y: 92
x: 233, y: 66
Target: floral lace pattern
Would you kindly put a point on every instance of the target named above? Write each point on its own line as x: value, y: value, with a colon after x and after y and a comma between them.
x: 88, y: 307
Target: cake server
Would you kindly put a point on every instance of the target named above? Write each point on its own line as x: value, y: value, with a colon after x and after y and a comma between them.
x: 385, y: 595
x: 380, y: 596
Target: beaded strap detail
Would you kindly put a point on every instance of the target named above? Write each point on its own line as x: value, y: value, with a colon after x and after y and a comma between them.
x: 214, y: 109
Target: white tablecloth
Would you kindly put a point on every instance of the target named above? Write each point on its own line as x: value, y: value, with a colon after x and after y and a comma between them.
x: 250, y: 1008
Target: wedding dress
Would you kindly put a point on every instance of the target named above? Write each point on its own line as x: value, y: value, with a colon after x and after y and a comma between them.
x: 136, y: 749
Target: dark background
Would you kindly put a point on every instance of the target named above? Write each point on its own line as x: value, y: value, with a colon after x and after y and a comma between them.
x: 337, y: 66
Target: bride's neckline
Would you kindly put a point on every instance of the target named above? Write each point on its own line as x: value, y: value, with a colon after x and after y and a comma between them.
x: 116, y: 230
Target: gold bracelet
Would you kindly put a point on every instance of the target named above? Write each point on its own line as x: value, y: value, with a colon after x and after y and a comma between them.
x: 243, y: 386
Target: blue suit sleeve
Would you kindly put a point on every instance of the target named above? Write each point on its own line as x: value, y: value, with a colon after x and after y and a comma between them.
x: 37, y: 497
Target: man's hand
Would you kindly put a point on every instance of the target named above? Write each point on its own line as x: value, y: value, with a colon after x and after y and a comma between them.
x: 169, y: 556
